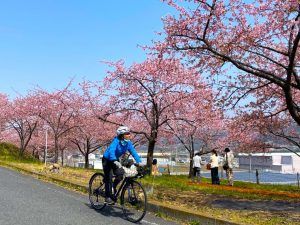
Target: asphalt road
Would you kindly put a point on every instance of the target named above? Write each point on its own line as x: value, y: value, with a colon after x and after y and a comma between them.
x: 28, y: 201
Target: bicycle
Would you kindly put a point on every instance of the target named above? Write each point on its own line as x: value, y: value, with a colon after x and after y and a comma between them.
x: 133, y: 197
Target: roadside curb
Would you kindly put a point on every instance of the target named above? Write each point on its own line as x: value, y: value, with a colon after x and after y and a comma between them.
x: 53, y: 179
x: 153, y: 206
x: 183, y: 215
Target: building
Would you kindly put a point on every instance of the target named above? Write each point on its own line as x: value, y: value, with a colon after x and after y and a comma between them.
x: 77, y: 160
x: 286, y: 162
x: 162, y: 158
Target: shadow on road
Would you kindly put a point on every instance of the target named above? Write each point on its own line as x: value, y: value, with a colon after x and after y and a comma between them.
x: 112, y: 211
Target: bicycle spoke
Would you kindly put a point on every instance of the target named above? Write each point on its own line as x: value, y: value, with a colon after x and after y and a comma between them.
x: 97, y: 191
x: 134, y: 201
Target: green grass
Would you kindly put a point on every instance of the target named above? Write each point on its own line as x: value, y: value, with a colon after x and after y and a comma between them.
x: 271, y: 187
x: 241, y: 184
x: 182, y: 183
x: 10, y: 153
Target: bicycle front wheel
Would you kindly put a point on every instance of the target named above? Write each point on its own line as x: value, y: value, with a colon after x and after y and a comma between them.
x: 134, y: 201
x: 97, y: 191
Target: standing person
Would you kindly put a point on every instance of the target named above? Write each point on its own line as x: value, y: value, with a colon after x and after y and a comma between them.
x: 228, y: 165
x: 196, y: 167
x: 110, y: 161
x: 214, y: 161
x: 155, y: 171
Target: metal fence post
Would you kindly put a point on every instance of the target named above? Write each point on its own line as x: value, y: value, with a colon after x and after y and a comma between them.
x: 222, y: 176
x: 298, y: 180
x: 257, y: 177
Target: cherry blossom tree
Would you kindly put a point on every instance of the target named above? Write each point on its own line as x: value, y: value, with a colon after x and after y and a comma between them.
x: 22, y: 117
x: 283, y: 132
x: 246, y: 46
x: 10, y: 136
x: 145, y: 93
x: 280, y: 132
x: 57, y: 110
x: 90, y: 133
x: 37, y: 144
x: 244, y: 137
x: 4, y: 102
x: 199, y: 122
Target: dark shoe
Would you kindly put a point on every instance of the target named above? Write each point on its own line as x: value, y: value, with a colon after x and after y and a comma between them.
x: 109, y: 201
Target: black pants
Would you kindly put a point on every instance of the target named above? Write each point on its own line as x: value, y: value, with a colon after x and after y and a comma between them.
x: 215, y: 175
x: 196, y: 173
x: 110, y: 168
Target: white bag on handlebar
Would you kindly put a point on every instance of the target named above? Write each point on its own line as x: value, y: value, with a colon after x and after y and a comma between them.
x: 130, y: 172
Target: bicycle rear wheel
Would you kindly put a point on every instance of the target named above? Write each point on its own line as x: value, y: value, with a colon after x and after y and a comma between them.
x: 97, y: 191
x: 134, y: 201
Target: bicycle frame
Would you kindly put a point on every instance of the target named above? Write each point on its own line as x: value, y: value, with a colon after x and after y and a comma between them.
x: 122, y: 185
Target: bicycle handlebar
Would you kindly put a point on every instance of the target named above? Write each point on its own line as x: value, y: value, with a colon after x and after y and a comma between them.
x: 138, y: 165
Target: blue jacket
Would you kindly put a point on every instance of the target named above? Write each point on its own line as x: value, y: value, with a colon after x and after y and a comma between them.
x: 116, y: 149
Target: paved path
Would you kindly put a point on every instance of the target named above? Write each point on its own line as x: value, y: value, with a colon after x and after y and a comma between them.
x: 27, y: 201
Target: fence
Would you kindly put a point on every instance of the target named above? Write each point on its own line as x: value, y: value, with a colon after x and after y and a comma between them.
x: 262, y: 176
x: 255, y: 176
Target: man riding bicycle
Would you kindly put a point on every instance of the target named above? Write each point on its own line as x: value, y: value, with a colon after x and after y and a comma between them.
x: 110, y: 161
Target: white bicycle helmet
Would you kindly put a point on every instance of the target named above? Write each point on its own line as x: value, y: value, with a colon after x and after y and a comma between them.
x: 122, y: 130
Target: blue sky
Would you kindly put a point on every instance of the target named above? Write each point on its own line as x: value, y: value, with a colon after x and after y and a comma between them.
x: 48, y: 42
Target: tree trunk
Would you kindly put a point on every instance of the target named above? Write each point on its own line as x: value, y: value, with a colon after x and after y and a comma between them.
x: 86, y: 156
x: 151, y: 147
x: 21, y: 149
x: 192, y: 153
x: 62, y: 157
x: 191, y: 163
x: 45, y: 155
x: 21, y: 153
x: 86, y: 161
x: 56, y: 150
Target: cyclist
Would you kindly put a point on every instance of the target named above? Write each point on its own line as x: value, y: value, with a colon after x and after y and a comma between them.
x: 110, y: 161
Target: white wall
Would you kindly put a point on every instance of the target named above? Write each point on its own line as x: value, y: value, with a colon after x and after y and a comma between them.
x: 98, y: 165
x: 296, y: 164
x: 281, y: 162
x: 276, y: 159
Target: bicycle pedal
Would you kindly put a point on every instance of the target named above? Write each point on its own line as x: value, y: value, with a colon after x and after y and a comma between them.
x: 109, y: 203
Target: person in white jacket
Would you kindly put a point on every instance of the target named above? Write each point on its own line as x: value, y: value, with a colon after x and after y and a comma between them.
x: 196, y: 167
x: 214, y: 161
x: 228, y: 165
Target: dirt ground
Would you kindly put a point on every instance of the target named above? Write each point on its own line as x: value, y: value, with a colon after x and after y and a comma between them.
x: 257, y: 211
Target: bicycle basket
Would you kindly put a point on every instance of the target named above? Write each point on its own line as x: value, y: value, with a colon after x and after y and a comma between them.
x: 130, y: 172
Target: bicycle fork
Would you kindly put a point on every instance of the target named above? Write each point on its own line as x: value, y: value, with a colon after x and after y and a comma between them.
x: 131, y: 194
